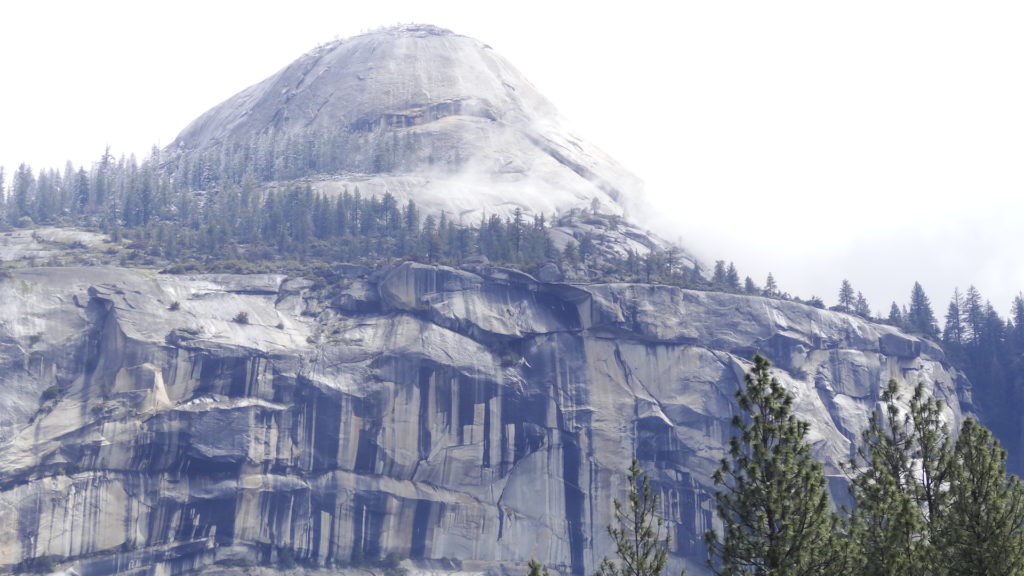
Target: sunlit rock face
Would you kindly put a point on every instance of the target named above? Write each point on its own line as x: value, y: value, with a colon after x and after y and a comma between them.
x: 424, y: 114
x: 157, y: 424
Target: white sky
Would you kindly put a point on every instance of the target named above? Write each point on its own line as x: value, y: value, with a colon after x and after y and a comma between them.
x: 880, y: 141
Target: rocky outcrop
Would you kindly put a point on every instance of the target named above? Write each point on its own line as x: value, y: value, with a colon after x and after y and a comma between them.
x: 159, y: 424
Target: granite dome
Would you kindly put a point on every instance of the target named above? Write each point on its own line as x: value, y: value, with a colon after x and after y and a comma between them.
x: 426, y: 114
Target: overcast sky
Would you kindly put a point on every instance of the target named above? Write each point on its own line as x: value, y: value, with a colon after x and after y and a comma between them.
x: 879, y: 141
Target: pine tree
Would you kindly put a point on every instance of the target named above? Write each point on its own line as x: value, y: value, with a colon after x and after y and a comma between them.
x: 22, y: 192
x: 953, y: 331
x: 895, y: 316
x: 773, y: 503
x: 861, y: 307
x: 900, y: 476
x: 886, y: 526
x: 846, y: 296
x: 771, y: 289
x: 516, y: 234
x: 1017, y: 310
x: 637, y: 532
x: 719, y: 278
x: 920, y: 318
x: 732, y: 277
x: 972, y: 316
x: 933, y: 447
x: 1016, y: 333
x: 982, y: 532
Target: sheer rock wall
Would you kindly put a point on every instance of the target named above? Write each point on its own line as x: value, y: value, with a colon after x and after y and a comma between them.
x: 426, y: 411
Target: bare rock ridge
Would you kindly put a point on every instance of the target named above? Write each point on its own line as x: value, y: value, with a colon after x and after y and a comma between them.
x: 426, y: 114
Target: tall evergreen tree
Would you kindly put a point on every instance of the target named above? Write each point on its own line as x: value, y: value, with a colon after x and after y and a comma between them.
x: 895, y: 315
x: 773, y: 503
x: 900, y: 476
x: 861, y: 307
x: 22, y: 190
x: 1016, y: 333
x: 932, y: 451
x: 846, y: 296
x: 972, y: 315
x: 920, y: 317
x: 771, y: 289
x: 732, y: 277
x: 886, y: 524
x: 81, y: 192
x: 982, y: 532
x: 637, y: 532
x: 719, y: 278
x: 953, y: 330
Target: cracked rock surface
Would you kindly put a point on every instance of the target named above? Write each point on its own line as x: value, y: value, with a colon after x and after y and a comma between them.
x: 427, y: 411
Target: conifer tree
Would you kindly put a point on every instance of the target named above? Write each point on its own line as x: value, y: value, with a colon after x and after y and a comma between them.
x: 773, y: 504
x: 637, y: 532
x: 920, y: 318
x: 846, y: 296
x: 953, y: 331
x: 22, y: 192
x: 932, y: 452
x: 1016, y: 333
x: 899, y: 485
x: 861, y: 306
x: 732, y: 277
x: 749, y: 287
x: 771, y: 289
x: 972, y: 315
x: 982, y: 532
x: 720, y: 278
x: 895, y: 315
x: 886, y: 525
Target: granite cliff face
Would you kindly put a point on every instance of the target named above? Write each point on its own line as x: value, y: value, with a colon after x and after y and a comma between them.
x: 425, y: 411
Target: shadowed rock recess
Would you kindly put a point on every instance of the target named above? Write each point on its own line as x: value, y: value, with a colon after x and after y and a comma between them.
x: 465, y: 419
